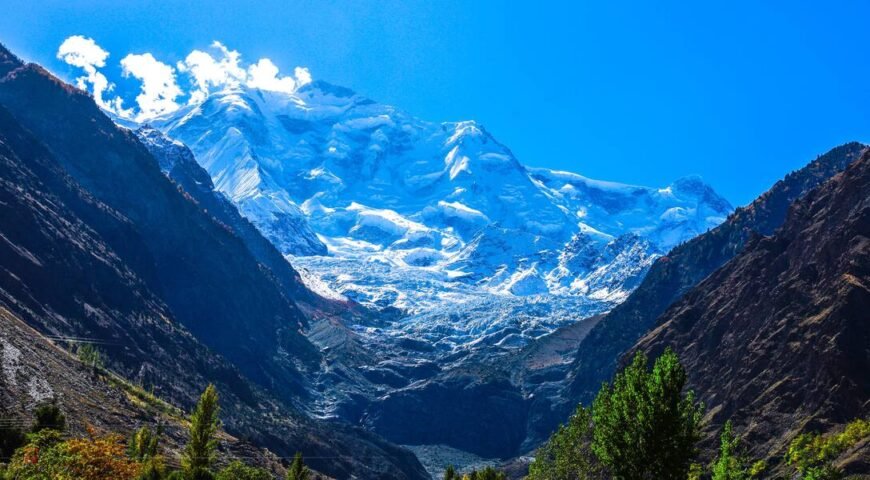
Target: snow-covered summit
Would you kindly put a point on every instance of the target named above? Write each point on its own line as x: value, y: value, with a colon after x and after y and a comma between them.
x: 395, y: 211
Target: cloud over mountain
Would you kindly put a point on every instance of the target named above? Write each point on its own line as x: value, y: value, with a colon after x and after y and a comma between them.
x: 161, y: 91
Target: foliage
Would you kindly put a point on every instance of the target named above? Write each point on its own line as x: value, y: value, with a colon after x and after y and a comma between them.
x: 143, y: 446
x: 731, y: 462
x: 487, y: 473
x: 812, y: 454
x: 239, y: 471
x: 696, y: 471
x: 90, y: 356
x: 47, y: 456
x: 645, y: 428
x: 48, y: 416
x: 450, y: 473
x: 298, y: 470
x: 568, y: 455
x: 199, y: 453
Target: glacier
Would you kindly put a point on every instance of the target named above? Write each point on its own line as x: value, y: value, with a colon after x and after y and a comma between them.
x: 477, y: 276
x: 438, y: 221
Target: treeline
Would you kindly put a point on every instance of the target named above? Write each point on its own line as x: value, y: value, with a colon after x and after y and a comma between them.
x: 43, y: 453
x: 642, y: 426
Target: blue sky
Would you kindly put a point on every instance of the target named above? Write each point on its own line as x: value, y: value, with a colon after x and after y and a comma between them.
x: 639, y: 92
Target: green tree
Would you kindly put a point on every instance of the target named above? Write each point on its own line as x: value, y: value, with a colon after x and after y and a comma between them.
x: 90, y: 356
x: 298, y: 470
x: 644, y: 426
x: 731, y: 464
x: 143, y: 446
x: 48, y: 416
x: 813, y: 455
x: 199, y: 453
x: 488, y: 473
x: 567, y: 455
x: 239, y: 471
x: 450, y: 473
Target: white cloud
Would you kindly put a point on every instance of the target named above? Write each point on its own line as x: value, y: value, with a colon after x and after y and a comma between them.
x: 84, y: 53
x: 225, y: 70
x: 303, y: 76
x: 159, y: 88
x: 220, y: 69
x: 207, y: 71
x: 264, y: 75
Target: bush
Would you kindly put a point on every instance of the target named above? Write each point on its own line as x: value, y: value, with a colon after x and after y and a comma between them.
x: 731, y: 462
x: 90, y: 356
x: 239, y: 471
x: 46, y: 456
x: 813, y: 455
x: 48, y: 416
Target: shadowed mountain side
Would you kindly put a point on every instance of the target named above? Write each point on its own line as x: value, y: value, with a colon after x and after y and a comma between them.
x: 682, y: 268
x: 778, y: 340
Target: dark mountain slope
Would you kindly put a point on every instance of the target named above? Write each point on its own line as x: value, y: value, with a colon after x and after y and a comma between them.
x: 205, y: 274
x: 779, y: 338
x: 178, y: 163
x: 686, y: 265
x: 72, y: 265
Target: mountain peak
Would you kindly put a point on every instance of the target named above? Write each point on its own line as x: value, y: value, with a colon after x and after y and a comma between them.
x: 326, y: 88
x: 8, y: 61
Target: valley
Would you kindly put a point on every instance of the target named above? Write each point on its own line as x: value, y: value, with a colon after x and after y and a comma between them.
x: 384, y: 296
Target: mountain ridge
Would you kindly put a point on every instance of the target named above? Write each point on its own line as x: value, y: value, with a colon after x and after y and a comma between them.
x: 84, y: 256
x: 777, y: 338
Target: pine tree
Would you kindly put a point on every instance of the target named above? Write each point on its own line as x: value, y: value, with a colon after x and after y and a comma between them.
x: 199, y: 453
x: 644, y: 426
x: 143, y: 446
x: 298, y: 470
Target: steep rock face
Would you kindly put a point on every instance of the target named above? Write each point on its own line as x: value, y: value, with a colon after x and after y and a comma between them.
x: 176, y: 161
x: 98, y: 245
x: 778, y: 340
x: 683, y: 267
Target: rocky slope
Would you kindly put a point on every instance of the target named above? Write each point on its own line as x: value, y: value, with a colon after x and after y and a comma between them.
x: 778, y: 339
x: 36, y: 370
x: 99, y: 243
x: 678, y: 271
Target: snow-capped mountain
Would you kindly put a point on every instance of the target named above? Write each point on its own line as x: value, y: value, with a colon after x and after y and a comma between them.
x: 371, y: 203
